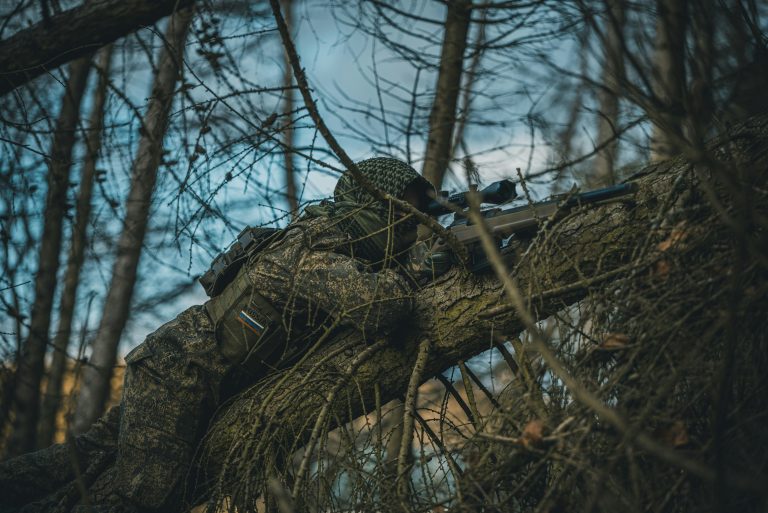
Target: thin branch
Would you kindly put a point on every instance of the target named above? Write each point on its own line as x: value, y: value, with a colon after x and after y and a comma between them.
x: 309, y: 102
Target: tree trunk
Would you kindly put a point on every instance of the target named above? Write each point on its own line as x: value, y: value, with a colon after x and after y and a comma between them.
x: 30, y: 368
x: 463, y: 314
x: 668, y: 111
x: 608, y: 95
x: 52, y: 397
x: 700, y: 109
x: 74, y: 33
x: 465, y: 105
x: 746, y: 62
x: 96, y: 376
x: 288, y: 134
x: 443, y: 116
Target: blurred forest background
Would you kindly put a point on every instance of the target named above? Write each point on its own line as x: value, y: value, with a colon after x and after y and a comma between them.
x: 134, y: 147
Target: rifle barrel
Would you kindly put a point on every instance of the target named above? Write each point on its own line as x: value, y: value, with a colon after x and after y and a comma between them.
x: 606, y: 193
x: 524, y: 218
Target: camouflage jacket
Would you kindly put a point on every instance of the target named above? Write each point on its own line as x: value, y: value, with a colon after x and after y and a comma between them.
x: 310, y: 277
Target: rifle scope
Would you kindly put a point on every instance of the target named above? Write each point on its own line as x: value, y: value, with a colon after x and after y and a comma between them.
x: 496, y: 193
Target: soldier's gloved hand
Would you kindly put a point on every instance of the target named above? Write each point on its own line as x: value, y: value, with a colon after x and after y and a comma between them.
x: 426, y: 265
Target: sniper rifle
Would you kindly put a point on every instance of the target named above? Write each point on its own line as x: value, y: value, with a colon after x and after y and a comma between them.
x: 504, y: 224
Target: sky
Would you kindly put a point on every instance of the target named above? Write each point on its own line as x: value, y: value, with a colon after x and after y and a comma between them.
x: 344, y: 65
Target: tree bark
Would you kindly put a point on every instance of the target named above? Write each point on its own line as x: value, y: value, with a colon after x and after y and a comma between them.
x: 608, y: 95
x: 668, y: 111
x: 700, y: 109
x: 463, y: 314
x: 52, y: 397
x: 74, y: 33
x: 443, y: 115
x: 30, y: 368
x: 465, y: 105
x: 96, y: 376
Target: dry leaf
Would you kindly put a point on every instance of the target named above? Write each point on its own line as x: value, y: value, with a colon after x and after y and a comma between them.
x: 614, y: 341
x: 533, y: 432
x: 662, y: 269
x: 676, y: 236
x: 679, y: 434
x: 675, y: 435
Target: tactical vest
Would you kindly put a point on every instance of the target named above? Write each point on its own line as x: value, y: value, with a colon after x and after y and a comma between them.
x: 249, y: 330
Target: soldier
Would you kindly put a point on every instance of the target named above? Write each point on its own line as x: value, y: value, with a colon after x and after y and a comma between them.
x: 341, y: 263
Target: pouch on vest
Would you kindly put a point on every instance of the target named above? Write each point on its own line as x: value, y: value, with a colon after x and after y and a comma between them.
x: 248, y: 328
x: 226, y: 265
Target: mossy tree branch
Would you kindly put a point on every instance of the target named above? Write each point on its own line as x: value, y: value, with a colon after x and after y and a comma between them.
x: 462, y: 314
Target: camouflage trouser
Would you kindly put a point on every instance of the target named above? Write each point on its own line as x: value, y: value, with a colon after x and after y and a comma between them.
x: 48, y: 480
x: 173, y: 383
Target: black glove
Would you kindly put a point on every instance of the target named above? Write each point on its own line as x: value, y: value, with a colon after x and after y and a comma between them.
x: 425, y: 265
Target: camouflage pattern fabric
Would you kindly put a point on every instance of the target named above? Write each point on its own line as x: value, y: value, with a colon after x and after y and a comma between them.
x: 172, y: 385
x: 309, y: 277
x: 378, y: 232
x: 177, y: 377
x: 45, y: 480
x: 390, y: 175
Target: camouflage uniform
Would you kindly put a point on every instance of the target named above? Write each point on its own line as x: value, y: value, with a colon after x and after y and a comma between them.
x: 313, y: 275
x: 337, y: 265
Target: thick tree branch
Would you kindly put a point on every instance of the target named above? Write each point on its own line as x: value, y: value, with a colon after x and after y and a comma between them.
x: 454, y: 313
x: 74, y: 33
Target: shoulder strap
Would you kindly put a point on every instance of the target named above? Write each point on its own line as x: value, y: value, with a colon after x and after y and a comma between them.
x: 225, y: 266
